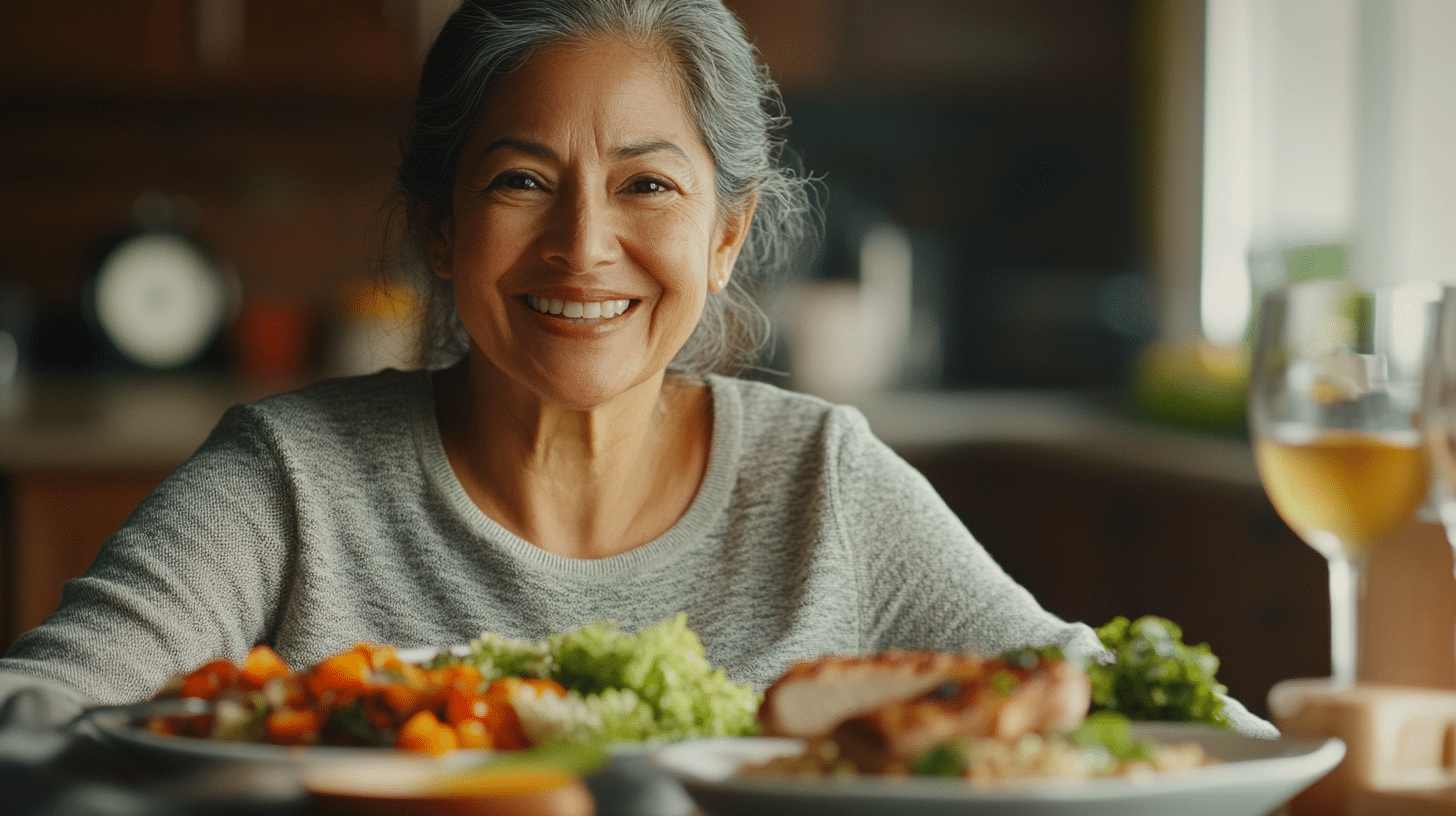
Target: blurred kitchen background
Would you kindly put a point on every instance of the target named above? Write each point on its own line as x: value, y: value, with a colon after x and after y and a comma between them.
x: 1047, y: 225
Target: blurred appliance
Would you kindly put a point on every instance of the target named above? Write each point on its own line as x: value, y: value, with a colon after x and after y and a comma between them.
x: 156, y: 297
x: 850, y: 335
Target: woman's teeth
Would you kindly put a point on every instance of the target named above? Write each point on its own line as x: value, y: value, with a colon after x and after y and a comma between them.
x: 577, y: 309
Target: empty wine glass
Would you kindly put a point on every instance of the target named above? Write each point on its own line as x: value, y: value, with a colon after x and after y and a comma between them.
x: 1334, y: 396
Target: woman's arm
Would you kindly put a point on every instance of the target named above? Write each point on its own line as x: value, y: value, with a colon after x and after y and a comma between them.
x: 194, y: 574
x: 925, y: 582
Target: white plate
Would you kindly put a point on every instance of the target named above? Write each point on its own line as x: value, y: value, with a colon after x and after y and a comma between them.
x: 1253, y: 777
x: 630, y: 783
x: 123, y: 728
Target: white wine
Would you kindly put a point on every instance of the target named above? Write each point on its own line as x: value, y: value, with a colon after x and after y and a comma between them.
x: 1343, y: 490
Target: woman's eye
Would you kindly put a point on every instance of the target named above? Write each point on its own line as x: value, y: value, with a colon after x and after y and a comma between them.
x: 649, y: 186
x: 516, y: 181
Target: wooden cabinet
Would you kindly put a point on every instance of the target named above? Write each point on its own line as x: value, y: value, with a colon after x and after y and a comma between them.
x: 256, y: 47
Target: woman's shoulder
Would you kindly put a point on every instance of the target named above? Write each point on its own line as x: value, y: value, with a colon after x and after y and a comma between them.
x: 343, y: 405
x: 772, y: 416
x: 353, y: 394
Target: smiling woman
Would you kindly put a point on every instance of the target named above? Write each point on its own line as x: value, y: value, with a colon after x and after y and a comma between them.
x: 584, y: 183
x: 589, y: 187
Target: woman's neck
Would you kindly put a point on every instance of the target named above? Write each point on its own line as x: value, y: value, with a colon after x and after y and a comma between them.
x: 579, y: 483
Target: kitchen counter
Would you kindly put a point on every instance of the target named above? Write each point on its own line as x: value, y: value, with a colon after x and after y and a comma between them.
x: 1062, y: 421
x: 71, y: 424
x: 138, y: 423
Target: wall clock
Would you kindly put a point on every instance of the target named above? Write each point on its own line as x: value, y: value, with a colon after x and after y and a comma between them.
x: 159, y: 300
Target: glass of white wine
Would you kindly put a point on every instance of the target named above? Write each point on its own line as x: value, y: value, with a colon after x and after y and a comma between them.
x: 1334, y: 398
x: 1438, y: 413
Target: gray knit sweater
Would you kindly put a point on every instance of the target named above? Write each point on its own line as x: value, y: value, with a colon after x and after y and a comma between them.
x: 330, y: 515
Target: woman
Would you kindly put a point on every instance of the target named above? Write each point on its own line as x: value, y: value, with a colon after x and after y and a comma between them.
x: 590, y: 185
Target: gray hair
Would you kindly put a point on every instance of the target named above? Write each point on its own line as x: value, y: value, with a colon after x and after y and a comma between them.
x: 731, y: 99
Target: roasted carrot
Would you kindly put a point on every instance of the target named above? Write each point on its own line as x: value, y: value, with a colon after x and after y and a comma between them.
x: 424, y: 732
x: 473, y: 734
x: 379, y: 657
x: 456, y: 675
x: 293, y: 726
x: 500, y: 716
x: 404, y: 699
x: 345, y: 674
x: 207, y: 681
x: 461, y: 705
x: 261, y: 665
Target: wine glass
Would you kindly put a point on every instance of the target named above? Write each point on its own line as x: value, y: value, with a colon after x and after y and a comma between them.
x: 1438, y: 413
x: 1334, y: 396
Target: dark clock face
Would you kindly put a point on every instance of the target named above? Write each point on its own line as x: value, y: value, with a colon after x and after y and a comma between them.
x: 159, y: 300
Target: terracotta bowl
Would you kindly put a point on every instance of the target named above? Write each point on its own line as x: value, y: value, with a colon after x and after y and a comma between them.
x: 398, y: 786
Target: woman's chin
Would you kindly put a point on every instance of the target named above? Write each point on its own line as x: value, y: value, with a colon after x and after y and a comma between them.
x: 583, y: 388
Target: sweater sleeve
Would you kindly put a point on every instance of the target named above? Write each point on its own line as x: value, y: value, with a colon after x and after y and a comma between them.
x: 194, y: 574
x: 925, y: 582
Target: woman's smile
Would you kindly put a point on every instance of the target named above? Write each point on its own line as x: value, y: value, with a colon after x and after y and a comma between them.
x: 580, y: 318
x: 577, y: 310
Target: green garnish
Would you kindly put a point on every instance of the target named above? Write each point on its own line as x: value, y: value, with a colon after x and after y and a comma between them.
x: 945, y: 759
x: 1111, y: 731
x: 1004, y: 682
x: 1156, y: 676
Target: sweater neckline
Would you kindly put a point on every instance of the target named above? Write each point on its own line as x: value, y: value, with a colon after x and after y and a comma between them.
x: 705, y: 509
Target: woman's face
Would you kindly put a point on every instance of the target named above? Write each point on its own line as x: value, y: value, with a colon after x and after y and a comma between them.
x: 585, y: 233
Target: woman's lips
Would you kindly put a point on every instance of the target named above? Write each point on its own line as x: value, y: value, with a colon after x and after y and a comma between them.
x: 578, y: 309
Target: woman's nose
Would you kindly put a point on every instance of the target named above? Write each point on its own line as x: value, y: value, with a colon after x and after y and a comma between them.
x: 579, y: 236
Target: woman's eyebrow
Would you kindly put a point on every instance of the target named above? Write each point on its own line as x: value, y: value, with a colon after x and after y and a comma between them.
x: 632, y: 151
x: 523, y: 145
x: 628, y: 151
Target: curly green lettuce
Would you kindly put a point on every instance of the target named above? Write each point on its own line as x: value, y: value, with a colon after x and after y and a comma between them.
x: 652, y: 685
x: 1156, y: 676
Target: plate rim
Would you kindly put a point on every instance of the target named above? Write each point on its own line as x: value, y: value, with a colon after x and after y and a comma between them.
x: 117, y: 725
x: 1300, y: 758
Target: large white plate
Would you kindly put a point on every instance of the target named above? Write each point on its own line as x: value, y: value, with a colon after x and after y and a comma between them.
x: 123, y: 728
x: 630, y: 783
x: 1252, y: 778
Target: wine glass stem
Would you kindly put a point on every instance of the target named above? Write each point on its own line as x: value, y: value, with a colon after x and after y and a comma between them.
x: 1346, y: 578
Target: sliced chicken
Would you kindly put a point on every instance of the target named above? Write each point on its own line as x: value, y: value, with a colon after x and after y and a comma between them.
x: 1004, y: 699
x: 814, y: 696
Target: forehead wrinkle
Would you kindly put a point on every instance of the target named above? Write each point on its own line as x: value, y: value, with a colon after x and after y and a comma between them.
x: 650, y: 146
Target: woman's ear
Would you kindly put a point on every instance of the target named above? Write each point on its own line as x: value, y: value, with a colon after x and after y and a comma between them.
x: 436, y: 237
x: 732, y: 232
